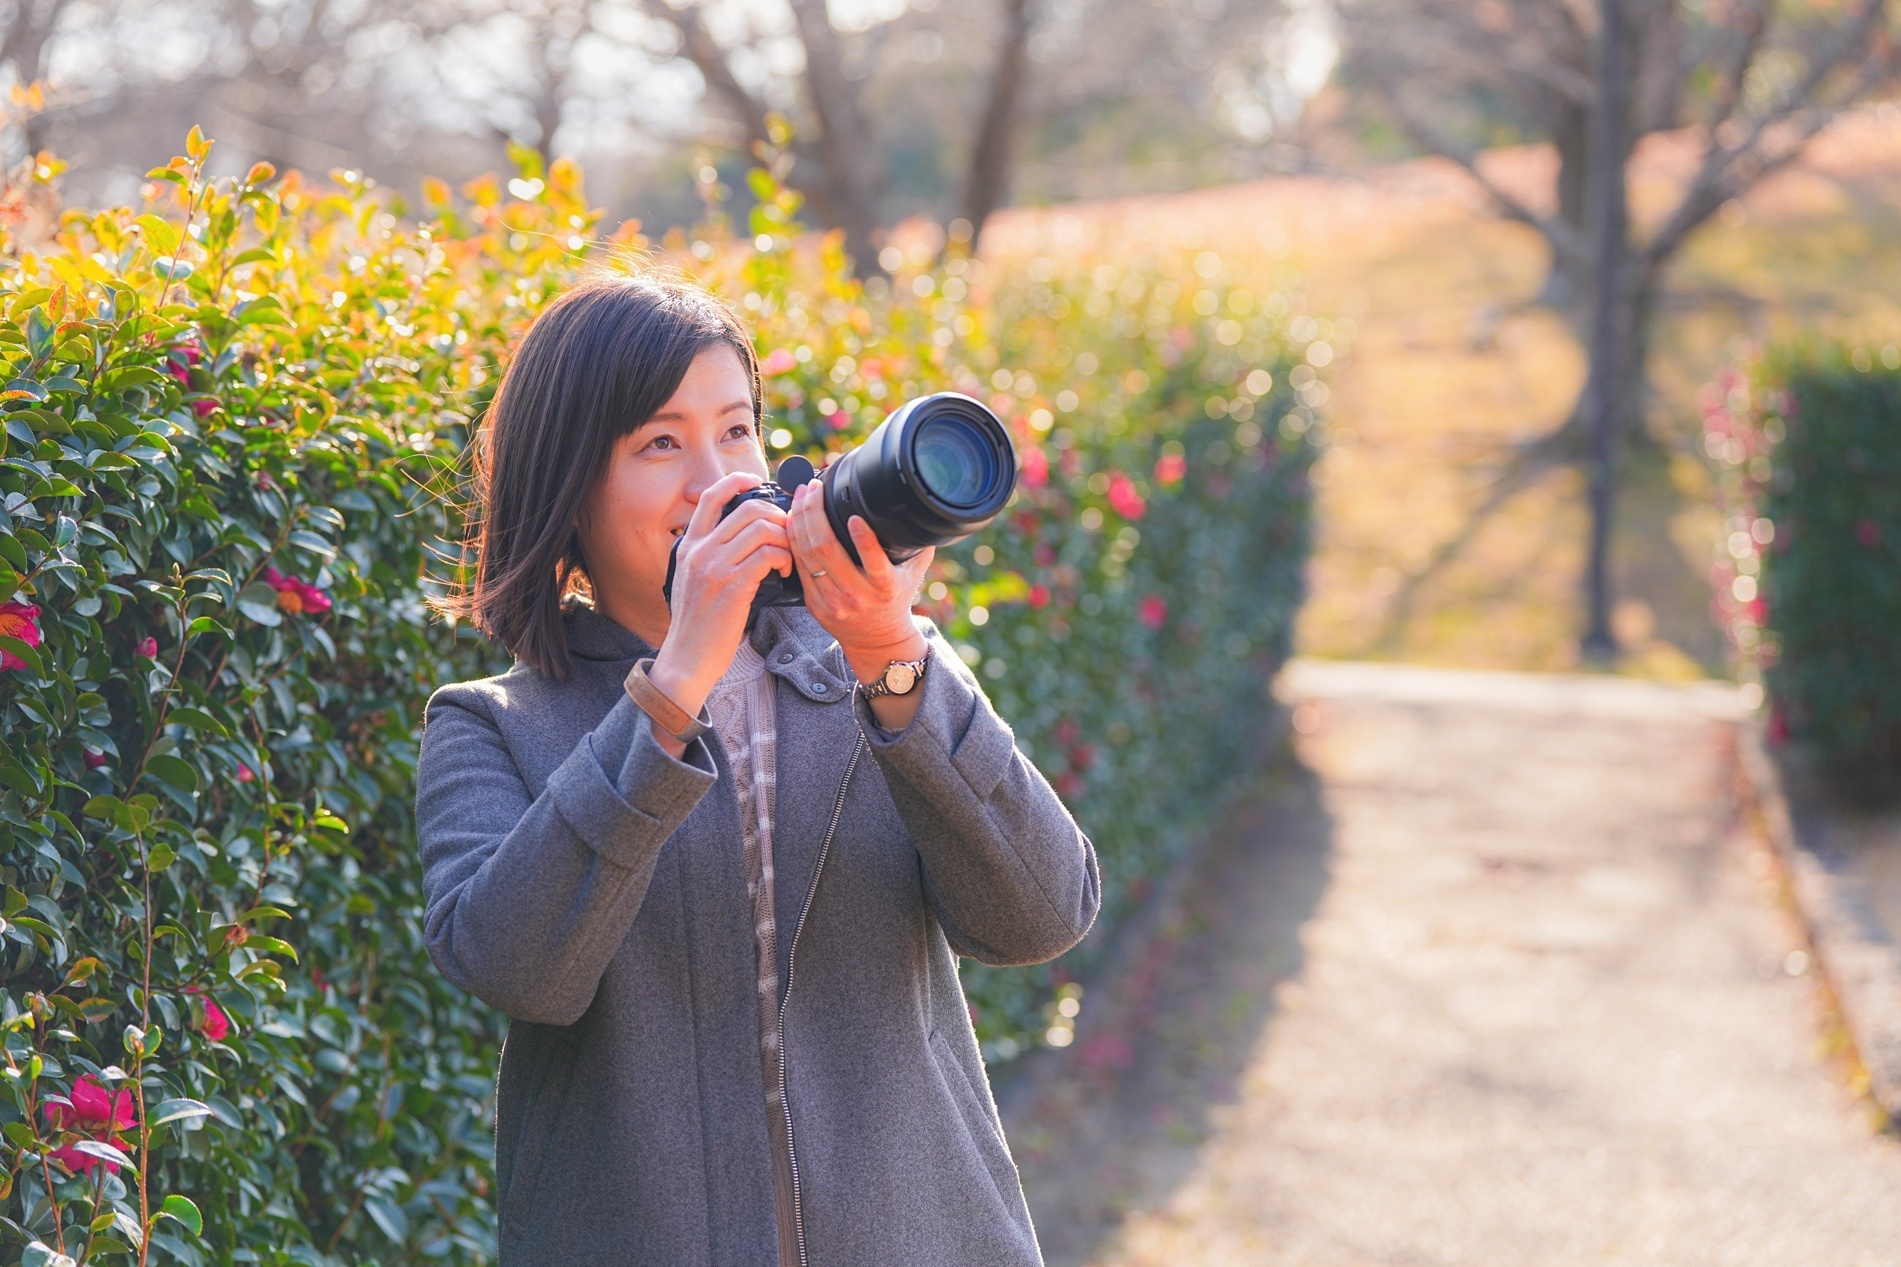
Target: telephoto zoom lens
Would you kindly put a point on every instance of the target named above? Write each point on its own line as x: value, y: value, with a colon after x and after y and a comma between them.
x: 938, y: 469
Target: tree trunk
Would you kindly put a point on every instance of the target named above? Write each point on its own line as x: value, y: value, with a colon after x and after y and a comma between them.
x: 1609, y: 328
x: 844, y: 144
x: 1566, y: 287
x: 988, y: 183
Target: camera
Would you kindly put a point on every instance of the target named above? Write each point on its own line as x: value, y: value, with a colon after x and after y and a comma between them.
x: 938, y: 469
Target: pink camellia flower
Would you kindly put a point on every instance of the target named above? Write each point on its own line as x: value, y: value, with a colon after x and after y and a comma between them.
x: 295, y: 596
x: 22, y: 621
x: 211, y: 1020
x: 1039, y: 596
x: 1123, y: 499
x: 839, y: 420
x: 1170, y: 468
x: 149, y: 648
x: 1036, y: 466
x: 778, y: 362
x: 96, y: 1112
x: 179, y: 365
x: 244, y: 773
x: 1152, y: 611
x: 94, y: 759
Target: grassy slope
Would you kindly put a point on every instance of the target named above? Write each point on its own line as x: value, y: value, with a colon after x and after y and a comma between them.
x: 1420, y: 556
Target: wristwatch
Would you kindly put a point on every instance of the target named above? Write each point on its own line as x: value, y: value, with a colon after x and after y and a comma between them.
x: 900, y: 677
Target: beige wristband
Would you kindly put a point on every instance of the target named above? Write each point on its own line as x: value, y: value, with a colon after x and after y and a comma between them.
x: 666, y: 714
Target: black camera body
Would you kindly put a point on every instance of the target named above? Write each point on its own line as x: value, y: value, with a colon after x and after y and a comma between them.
x: 940, y: 468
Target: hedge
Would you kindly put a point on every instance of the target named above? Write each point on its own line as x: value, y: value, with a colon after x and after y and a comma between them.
x: 1807, y: 443
x: 235, y: 428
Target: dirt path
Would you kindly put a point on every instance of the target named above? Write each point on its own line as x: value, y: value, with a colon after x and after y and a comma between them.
x: 1493, y: 976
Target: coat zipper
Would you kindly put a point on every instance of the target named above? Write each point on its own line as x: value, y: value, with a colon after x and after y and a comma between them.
x: 791, y: 967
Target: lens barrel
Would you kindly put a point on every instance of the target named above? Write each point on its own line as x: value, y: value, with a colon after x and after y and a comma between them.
x: 938, y: 469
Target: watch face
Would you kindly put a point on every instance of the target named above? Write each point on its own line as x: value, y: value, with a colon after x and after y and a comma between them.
x: 900, y: 678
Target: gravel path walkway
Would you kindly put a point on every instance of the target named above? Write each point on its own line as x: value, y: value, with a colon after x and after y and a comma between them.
x: 1495, y: 976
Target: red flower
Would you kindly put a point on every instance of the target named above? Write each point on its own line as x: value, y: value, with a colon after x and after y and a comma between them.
x: 1170, y: 467
x: 211, y: 1021
x: 149, y: 648
x: 1868, y: 534
x: 22, y: 621
x: 94, y: 759
x: 1152, y: 611
x: 1067, y: 731
x: 839, y: 420
x: 1082, y: 756
x: 1036, y: 466
x: 778, y: 362
x: 244, y: 773
x: 96, y: 1112
x: 1068, y: 786
x: 1123, y: 498
x: 295, y: 596
x: 1039, y: 596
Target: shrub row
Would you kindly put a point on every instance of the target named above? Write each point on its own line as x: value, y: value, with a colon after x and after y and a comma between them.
x: 235, y: 420
x: 1806, y: 439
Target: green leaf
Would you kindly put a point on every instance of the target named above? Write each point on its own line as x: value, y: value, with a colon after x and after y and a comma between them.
x: 40, y: 1255
x: 272, y: 945
x: 388, y: 1216
x: 175, y: 1110
x: 160, y: 858
x: 102, y: 806
x: 105, y: 1152
x: 26, y: 653
x: 197, y: 718
x: 259, y: 602
x: 183, y: 1209
x: 173, y: 770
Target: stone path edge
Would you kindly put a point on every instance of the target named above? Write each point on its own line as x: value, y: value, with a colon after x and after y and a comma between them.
x: 1861, y: 967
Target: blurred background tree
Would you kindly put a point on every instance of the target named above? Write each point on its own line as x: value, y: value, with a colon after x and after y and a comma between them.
x: 898, y: 107
x: 1753, y: 82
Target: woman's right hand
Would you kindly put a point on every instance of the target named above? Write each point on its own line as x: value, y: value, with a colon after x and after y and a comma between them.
x: 721, y: 564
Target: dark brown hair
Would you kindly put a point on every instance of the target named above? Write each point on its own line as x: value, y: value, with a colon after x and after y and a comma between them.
x: 596, y: 364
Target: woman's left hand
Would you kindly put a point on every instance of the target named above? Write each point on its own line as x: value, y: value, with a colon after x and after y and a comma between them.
x: 868, y: 608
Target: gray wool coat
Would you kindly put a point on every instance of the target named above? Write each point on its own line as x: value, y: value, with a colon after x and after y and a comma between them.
x: 593, y: 888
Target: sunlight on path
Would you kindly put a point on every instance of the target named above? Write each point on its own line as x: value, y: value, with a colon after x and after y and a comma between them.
x: 1546, y: 1015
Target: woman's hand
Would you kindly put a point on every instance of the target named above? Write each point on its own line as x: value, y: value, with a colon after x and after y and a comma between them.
x: 868, y: 608
x: 721, y: 564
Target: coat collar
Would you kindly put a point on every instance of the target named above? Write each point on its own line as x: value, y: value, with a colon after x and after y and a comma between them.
x: 796, y: 647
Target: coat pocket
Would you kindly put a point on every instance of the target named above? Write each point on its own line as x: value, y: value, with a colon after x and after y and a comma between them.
x: 532, y: 1133
x: 985, y: 1135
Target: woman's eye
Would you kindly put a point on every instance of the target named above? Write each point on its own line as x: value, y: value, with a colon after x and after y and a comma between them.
x: 663, y: 442
x: 743, y: 431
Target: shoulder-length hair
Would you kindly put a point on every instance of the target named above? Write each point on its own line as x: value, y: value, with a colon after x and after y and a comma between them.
x: 596, y: 364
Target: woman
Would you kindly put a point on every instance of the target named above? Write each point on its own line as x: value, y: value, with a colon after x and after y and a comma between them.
x: 716, y: 870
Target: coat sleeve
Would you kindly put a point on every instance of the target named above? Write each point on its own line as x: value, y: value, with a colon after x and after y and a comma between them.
x: 529, y: 897
x: 1009, y: 874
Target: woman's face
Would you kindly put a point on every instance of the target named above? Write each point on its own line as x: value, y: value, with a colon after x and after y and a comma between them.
x: 653, y: 481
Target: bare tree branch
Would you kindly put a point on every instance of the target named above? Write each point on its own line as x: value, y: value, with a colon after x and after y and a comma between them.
x: 1728, y: 170
x: 1563, y: 239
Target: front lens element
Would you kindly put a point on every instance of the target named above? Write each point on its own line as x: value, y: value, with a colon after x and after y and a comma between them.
x: 955, y: 461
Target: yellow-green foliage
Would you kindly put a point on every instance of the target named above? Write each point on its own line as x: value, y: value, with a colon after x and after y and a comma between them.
x: 235, y: 424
